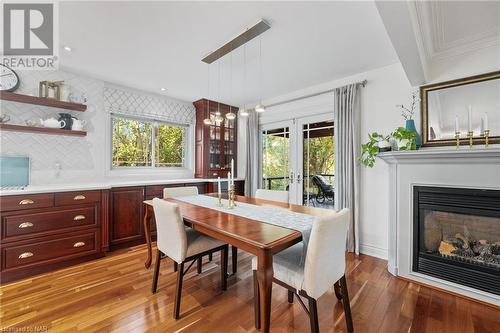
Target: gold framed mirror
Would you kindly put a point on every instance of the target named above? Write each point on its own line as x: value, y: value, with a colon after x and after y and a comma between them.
x: 462, y: 105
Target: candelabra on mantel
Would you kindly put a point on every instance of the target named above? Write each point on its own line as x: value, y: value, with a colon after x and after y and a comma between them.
x: 457, y: 137
x: 470, y: 135
x: 486, y: 134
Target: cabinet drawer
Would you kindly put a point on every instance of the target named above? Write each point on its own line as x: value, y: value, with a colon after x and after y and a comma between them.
x: 79, y: 197
x: 153, y: 191
x: 56, y: 249
x: 31, y: 224
x: 18, y: 202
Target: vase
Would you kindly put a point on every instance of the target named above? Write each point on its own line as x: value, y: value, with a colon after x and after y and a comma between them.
x: 410, y: 125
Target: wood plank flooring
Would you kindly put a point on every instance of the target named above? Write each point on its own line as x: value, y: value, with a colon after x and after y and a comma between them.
x: 113, y: 294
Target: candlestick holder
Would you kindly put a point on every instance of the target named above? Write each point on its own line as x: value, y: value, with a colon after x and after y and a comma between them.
x: 486, y: 137
x: 231, y: 203
x: 457, y: 137
x: 469, y: 136
x: 219, y: 200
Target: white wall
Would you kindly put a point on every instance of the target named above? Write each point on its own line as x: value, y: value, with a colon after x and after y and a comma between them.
x: 386, y: 87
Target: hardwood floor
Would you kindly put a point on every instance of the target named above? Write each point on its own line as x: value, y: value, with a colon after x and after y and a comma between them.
x: 113, y: 294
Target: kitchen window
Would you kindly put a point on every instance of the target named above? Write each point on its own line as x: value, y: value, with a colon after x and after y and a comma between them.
x: 147, y: 143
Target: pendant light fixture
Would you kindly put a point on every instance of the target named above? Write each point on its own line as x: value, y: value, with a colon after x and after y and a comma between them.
x: 208, y: 121
x: 243, y: 110
x: 259, y: 107
x: 218, y: 117
x: 231, y: 115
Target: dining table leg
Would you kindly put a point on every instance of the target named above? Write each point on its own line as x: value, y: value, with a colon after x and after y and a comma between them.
x: 265, y: 280
x: 148, y: 213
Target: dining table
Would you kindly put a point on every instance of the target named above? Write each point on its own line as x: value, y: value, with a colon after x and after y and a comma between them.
x: 264, y: 240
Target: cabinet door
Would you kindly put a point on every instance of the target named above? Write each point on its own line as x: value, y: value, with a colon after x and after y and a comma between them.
x: 126, y: 215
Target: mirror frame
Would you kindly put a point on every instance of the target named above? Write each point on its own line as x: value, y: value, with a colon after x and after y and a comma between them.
x: 424, y: 91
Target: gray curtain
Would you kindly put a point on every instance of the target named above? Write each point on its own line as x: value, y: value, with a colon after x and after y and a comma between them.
x: 347, y: 143
x: 252, y: 160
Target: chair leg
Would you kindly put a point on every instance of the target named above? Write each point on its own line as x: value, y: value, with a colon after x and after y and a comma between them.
x: 223, y: 267
x: 199, y: 263
x: 256, y: 300
x: 178, y: 291
x: 234, y: 258
x: 290, y: 296
x: 313, y: 315
x: 156, y: 272
x: 175, y: 266
x: 210, y: 257
x: 347, y: 306
x: 337, y: 289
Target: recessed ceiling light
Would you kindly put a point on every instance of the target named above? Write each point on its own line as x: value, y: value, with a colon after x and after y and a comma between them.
x: 67, y: 48
x: 163, y: 89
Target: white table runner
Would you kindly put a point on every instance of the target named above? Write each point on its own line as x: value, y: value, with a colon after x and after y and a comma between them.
x: 267, y: 214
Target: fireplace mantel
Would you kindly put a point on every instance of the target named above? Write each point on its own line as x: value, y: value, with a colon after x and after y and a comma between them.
x: 477, y: 168
x: 443, y: 155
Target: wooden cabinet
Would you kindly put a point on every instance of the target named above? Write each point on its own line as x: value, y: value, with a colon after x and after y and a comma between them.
x: 215, y: 144
x: 43, y: 232
x: 126, y: 216
x: 239, y: 187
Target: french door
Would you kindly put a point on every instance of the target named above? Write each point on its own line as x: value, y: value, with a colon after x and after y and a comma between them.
x: 297, y: 156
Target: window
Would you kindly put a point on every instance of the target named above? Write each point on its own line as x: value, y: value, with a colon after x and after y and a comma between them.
x: 147, y: 143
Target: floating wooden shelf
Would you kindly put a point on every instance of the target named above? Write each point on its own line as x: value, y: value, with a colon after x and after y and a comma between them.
x: 8, y: 96
x: 41, y: 130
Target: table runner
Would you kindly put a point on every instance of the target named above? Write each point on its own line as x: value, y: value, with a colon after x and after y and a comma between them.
x: 268, y: 214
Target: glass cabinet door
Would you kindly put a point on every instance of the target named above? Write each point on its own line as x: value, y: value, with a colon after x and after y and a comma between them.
x: 229, y: 142
x: 214, y: 154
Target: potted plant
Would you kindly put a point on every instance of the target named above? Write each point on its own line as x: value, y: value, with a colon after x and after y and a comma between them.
x: 377, y: 143
x: 408, y: 113
x: 405, y: 138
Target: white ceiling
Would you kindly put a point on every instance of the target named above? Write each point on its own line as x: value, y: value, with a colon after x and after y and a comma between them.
x: 148, y: 45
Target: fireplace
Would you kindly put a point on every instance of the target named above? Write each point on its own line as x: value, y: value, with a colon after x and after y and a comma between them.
x: 456, y: 235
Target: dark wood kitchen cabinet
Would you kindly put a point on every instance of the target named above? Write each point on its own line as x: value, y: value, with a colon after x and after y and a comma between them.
x: 126, y: 216
x: 216, y: 143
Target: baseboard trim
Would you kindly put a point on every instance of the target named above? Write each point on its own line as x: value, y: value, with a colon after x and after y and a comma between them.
x: 373, y: 251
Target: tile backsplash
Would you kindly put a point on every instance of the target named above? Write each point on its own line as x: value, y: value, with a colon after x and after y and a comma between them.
x: 56, y: 158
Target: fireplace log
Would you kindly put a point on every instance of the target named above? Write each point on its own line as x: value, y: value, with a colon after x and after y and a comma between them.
x: 446, y: 248
x: 465, y: 241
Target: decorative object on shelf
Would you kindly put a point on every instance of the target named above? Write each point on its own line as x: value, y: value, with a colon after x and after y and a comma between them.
x: 371, y: 148
x: 4, y: 118
x: 77, y: 97
x: 384, y: 146
x: 50, y: 89
x: 68, y: 120
x: 408, y: 113
x: 457, y: 137
x: 31, y: 122
x: 474, y: 95
x: 470, y: 135
x: 53, y: 123
x: 78, y: 124
x: 486, y: 134
x: 9, y: 81
x: 405, y: 138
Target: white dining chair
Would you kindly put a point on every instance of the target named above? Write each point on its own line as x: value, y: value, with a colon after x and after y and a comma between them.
x: 323, y: 268
x: 182, y: 245
x: 281, y: 196
x: 181, y: 191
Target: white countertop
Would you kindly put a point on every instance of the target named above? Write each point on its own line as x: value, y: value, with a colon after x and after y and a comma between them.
x: 101, y: 185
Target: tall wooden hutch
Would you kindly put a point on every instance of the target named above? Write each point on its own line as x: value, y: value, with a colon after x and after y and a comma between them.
x: 215, y: 144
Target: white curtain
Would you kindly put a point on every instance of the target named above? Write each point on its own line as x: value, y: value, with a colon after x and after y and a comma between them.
x: 253, y: 157
x: 347, y: 143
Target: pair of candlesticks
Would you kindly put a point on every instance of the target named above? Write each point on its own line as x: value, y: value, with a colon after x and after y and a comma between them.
x: 470, y: 135
x: 231, y: 204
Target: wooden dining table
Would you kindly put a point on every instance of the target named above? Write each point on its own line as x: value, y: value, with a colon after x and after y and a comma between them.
x: 261, y: 239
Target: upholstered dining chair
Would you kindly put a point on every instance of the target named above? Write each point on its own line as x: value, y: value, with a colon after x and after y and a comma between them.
x: 323, y: 268
x: 281, y: 196
x: 182, y: 245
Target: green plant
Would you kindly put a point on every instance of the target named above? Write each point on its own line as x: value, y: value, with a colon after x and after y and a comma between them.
x: 401, y: 134
x: 370, y: 149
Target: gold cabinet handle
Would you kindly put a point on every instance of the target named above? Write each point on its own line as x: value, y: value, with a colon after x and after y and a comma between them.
x: 78, y: 244
x: 25, y: 225
x: 79, y: 197
x: 26, y: 202
x: 25, y: 255
x: 79, y: 218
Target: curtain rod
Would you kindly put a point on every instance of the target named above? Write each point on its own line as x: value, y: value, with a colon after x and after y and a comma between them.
x: 361, y: 83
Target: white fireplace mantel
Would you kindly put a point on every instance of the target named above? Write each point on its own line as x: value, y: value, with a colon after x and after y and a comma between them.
x: 445, y: 167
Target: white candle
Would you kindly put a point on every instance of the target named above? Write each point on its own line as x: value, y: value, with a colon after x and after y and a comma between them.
x: 457, y: 127
x: 469, y: 123
x: 481, y: 128
x: 228, y: 180
x: 218, y: 186
x: 232, y: 171
x: 486, y: 127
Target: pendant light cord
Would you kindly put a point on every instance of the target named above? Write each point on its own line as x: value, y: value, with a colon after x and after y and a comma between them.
x: 260, y: 70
